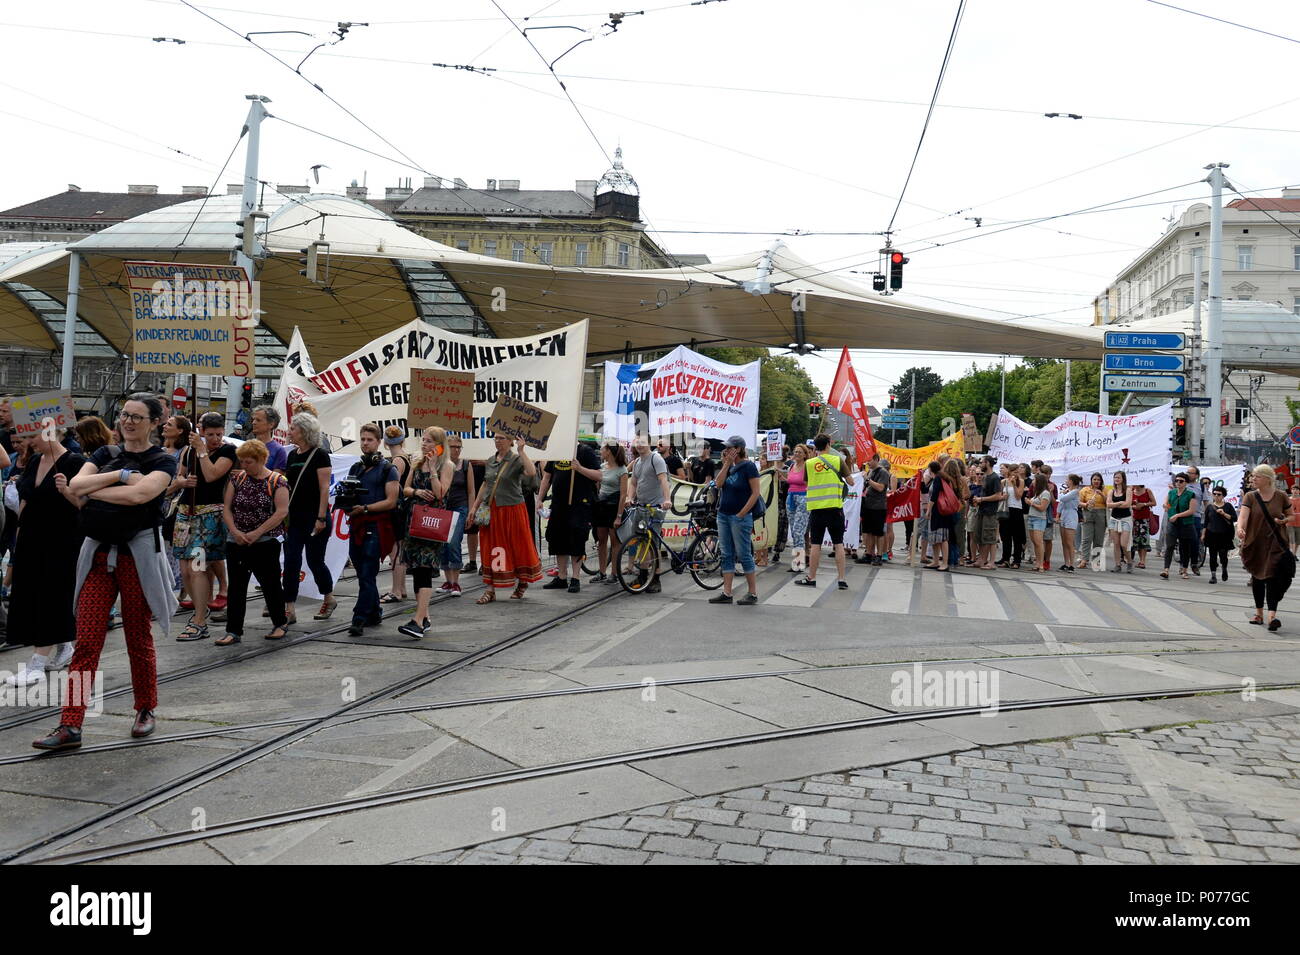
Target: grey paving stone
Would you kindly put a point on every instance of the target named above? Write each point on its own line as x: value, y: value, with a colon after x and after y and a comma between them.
x: 676, y: 827
x: 844, y: 830
x: 865, y: 850
x: 608, y: 855
x: 1240, y: 853
x: 932, y: 812
x: 826, y: 814
x: 906, y: 837
x: 773, y: 823
x: 502, y: 845
x: 987, y: 847
x: 1125, y: 855
x: 547, y: 848
x: 1278, y: 840
x: 785, y: 857
x: 610, y: 837
x: 832, y: 789
x: 714, y: 833
x: 754, y: 805
x: 792, y: 840
x: 950, y: 827
x: 609, y: 822
x: 1053, y: 856
x: 660, y: 858
x: 563, y: 832
x: 486, y: 858
x: 935, y: 857
x: 726, y: 817
x: 676, y: 845
x: 735, y: 853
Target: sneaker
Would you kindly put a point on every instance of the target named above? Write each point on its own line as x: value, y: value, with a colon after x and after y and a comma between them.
x: 33, y: 671
x: 654, y: 587
x: 557, y: 583
x: 805, y: 581
x: 1213, y: 579
x: 1128, y: 567
x: 62, y: 657
x: 65, y: 737
x: 357, y: 628
x: 553, y: 572
x: 186, y: 604
x: 444, y: 589
x: 747, y: 601
x: 862, y: 560
x: 575, y: 586
x: 720, y: 599
x: 598, y: 578
x: 878, y: 561
x: 471, y: 568
x: 1196, y: 570
x: 218, y: 602
x: 1225, y: 574
x: 455, y: 590
x: 414, y: 629
x: 842, y: 584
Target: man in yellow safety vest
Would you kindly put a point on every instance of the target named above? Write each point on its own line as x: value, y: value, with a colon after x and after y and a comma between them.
x: 826, y: 474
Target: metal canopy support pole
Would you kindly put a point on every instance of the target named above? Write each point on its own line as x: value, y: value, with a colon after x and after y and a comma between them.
x: 1196, y: 374
x: 1067, y: 386
x: 1103, y: 396
x: 911, y: 423
x: 256, y: 113
x: 1214, y: 323
x: 70, y: 320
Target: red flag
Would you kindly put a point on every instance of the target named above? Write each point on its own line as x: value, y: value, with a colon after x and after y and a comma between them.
x: 846, y: 396
x: 904, y: 504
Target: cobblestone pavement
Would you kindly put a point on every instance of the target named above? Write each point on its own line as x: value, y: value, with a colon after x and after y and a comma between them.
x: 1079, y: 801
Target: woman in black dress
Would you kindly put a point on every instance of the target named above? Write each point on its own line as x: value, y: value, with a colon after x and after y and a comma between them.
x: 45, y: 571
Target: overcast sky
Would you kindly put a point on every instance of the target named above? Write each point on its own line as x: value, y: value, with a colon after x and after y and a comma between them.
x: 815, y: 128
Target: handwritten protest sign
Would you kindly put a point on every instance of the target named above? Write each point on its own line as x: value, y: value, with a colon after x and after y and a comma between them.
x: 519, y: 419
x: 32, y: 412
x: 970, y: 433
x: 443, y: 399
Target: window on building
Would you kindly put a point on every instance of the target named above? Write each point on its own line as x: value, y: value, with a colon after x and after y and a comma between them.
x: 517, y: 251
x: 580, y: 256
x: 1295, y: 304
x: 1245, y: 258
x: 624, y: 254
x: 546, y: 252
x: 1241, y: 413
x: 1295, y: 257
x: 462, y: 245
x: 490, y: 247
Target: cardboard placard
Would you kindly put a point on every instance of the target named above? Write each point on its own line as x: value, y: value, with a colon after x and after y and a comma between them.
x: 519, y: 419
x: 32, y: 411
x: 774, y: 441
x: 970, y: 433
x: 993, y: 427
x: 443, y: 399
x: 190, y: 319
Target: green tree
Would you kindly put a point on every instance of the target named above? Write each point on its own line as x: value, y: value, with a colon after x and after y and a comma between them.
x: 928, y: 384
x: 783, y: 393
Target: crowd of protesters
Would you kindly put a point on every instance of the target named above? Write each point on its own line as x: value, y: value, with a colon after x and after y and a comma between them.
x: 125, y: 525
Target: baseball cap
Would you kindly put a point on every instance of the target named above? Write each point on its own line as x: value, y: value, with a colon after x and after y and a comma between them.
x: 735, y: 441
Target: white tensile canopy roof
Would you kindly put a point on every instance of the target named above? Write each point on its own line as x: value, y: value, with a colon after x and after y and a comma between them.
x: 368, y: 290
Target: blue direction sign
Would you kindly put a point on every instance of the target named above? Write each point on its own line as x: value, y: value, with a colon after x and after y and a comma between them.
x: 1145, y: 384
x: 1143, y: 362
x: 1160, y: 341
x: 1187, y: 402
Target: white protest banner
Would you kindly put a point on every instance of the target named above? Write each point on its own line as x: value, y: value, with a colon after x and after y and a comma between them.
x: 373, y: 384
x: 683, y: 393
x: 1082, y: 442
x: 32, y: 411
x: 336, y: 550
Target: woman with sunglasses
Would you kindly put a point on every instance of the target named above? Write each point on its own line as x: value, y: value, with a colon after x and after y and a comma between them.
x: 1120, y: 524
x: 1220, y: 522
x: 1180, y: 509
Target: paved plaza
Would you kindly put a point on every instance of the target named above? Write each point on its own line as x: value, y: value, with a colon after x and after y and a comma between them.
x: 615, y: 736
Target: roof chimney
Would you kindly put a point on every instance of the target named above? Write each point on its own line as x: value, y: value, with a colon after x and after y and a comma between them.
x: 292, y: 190
x: 1292, y: 193
x: 510, y: 184
x: 234, y: 188
x: 194, y: 190
x: 460, y: 184
x: 433, y: 182
x: 73, y: 187
x: 398, y: 192
x: 491, y: 185
x: 138, y: 190
x: 357, y: 192
x: 585, y: 188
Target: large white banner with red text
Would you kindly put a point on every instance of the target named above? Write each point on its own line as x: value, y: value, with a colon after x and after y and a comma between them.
x: 1082, y: 442
x: 683, y: 393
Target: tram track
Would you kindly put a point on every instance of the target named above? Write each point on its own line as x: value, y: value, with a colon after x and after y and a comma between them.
x: 468, y: 784
x: 231, y: 761
x: 638, y: 686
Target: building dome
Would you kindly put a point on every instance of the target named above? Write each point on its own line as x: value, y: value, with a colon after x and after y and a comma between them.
x: 618, y: 179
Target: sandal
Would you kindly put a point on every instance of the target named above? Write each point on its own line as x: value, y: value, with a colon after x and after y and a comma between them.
x: 279, y: 633
x: 229, y: 640
x: 519, y: 592
x: 487, y: 598
x: 1257, y: 620
x: 391, y: 598
x: 193, y: 632
x: 326, y: 610
x: 1183, y: 574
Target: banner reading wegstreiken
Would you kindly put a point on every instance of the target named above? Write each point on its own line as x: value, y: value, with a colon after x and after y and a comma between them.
x: 682, y: 393
x: 1082, y: 442
x: 373, y: 384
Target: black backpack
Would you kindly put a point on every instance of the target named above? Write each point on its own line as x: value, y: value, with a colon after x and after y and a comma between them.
x: 116, y: 524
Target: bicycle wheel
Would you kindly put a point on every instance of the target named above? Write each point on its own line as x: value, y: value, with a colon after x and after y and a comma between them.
x: 637, y: 563
x: 705, y: 560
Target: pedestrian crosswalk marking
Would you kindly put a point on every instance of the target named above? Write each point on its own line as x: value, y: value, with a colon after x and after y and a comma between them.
x: 1161, y: 615
x: 1065, y: 606
x: 977, y: 597
x: 890, y: 594
x: 792, y: 595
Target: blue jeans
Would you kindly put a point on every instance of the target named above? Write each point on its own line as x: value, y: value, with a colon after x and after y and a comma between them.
x: 297, y: 539
x: 1197, y: 557
x: 736, y: 535
x: 364, y: 552
x: 450, y: 558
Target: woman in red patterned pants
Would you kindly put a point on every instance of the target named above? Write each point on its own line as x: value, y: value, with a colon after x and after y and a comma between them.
x: 122, y: 486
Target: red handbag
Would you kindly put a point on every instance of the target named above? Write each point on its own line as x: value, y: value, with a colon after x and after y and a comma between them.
x: 433, y: 524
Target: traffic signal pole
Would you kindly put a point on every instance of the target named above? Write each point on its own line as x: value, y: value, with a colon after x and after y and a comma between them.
x: 248, y: 202
x: 1214, y: 323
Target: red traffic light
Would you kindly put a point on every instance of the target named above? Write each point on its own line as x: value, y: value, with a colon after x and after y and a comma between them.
x: 896, y: 258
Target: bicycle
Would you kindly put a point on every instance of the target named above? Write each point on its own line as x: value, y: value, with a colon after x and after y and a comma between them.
x: 636, y: 561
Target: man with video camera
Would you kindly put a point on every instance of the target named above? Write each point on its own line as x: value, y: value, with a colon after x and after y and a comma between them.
x: 368, y: 494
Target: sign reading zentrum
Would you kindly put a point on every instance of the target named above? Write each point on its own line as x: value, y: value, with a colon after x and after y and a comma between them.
x: 195, y: 319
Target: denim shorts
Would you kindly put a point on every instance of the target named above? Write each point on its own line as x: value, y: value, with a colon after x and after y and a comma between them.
x: 1037, y: 523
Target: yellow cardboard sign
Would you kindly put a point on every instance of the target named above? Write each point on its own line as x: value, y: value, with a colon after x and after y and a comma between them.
x: 904, y: 462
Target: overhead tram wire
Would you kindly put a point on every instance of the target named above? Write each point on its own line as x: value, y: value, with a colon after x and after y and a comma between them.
x: 938, y: 85
x: 208, y: 195
x: 1231, y: 23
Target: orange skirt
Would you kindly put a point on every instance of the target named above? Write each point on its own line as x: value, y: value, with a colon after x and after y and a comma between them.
x: 506, y: 551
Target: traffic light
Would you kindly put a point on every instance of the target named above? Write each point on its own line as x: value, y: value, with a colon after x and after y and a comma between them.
x: 878, y: 282
x: 896, y: 262
x: 1180, y: 432
x: 891, y: 401
x: 247, y: 400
